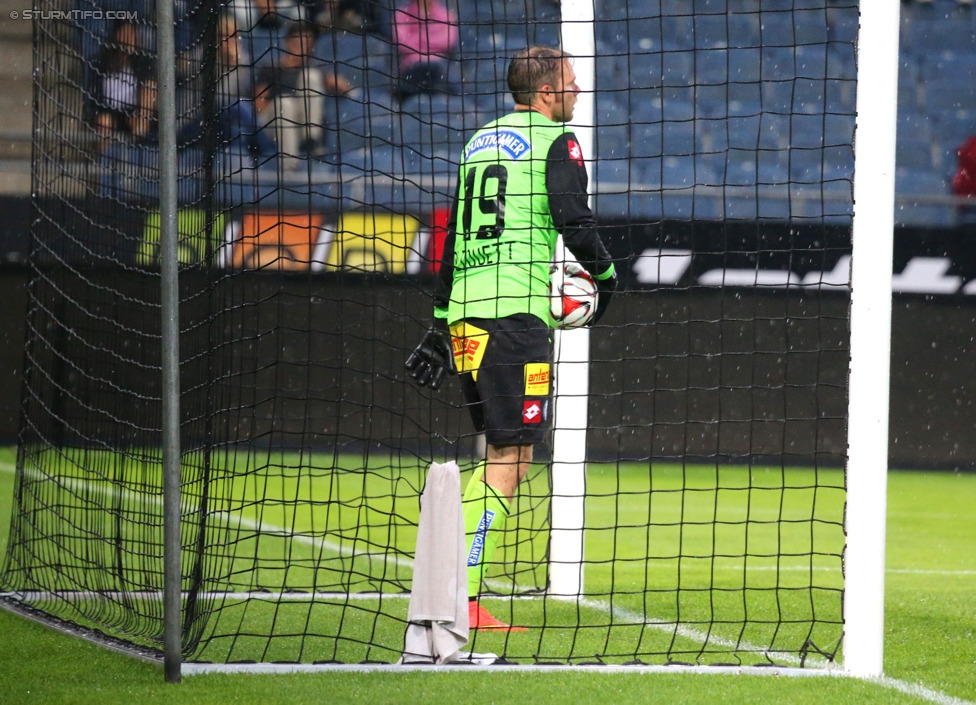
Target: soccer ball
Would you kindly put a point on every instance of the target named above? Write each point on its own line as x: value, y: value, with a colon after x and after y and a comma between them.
x: 572, y: 296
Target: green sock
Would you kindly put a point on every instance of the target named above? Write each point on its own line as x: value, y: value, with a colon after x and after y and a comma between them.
x: 474, y: 481
x: 485, y: 512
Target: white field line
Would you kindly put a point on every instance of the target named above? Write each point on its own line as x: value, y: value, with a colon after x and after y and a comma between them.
x: 236, y: 520
x: 633, y: 617
x: 919, y: 691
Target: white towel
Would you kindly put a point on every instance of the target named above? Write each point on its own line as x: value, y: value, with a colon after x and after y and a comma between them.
x: 438, y: 612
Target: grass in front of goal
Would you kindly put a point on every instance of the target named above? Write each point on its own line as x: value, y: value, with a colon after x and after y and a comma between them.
x: 929, y: 631
x: 309, y: 560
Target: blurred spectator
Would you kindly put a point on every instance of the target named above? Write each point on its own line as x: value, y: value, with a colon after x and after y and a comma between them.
x: 290, y: 91
x: 264, y: 24
x: 964, y: 180
x: 236, y: 127
x: 126, y: 91
x: 267, y: 14
x: 367, y: 16
x: 426, y: 36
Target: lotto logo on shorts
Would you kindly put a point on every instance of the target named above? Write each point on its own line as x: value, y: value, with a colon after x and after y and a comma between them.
x: 532, y: 411
x: 537, y: 379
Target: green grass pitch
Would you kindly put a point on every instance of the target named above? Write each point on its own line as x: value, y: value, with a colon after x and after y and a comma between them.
x: 657, y: 545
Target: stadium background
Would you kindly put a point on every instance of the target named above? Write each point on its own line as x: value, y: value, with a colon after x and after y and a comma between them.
x: 932, y: 372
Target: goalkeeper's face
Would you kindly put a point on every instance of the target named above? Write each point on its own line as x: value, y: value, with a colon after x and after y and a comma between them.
x: 565, y: 94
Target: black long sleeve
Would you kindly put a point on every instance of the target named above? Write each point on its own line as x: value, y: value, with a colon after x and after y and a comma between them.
x: 445, y: 275
x: 567, y: 184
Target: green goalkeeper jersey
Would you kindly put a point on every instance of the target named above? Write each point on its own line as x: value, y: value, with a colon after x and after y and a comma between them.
x: 522, y: 182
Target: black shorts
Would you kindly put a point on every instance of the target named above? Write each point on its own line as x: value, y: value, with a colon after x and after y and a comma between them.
x: 505, y: 368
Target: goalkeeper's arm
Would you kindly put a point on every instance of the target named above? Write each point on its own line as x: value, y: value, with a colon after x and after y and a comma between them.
x: 433, y: 358
x: 566, y: 183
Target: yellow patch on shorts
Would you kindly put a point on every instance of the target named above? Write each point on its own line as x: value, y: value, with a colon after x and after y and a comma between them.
x: 469, y: 343
x: 536, y: 379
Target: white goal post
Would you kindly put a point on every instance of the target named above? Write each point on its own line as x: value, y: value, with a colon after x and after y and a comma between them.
x: 572, y: 349
x: 870, y: 326
x: 870, y: 342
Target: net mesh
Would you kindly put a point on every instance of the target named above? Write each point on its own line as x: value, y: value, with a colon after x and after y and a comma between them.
x: 316, y: 169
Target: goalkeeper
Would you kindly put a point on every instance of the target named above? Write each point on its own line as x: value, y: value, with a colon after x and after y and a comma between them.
x: 522, y: 182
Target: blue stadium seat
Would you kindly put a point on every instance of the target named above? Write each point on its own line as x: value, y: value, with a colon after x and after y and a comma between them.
x: 910, y: 182
x: 352, y: 125
x: 646, y: 170
x: 679, y: 138
x: 678, y: 68
x: 778, y: 62
x: 431, y: 122
x: 710, y: 168
x: 743, y: 132
x: 838, y: 163
x: 842, y: 24
x: 809, y: 95
x: 744, y: 29
x: 774, y: 200
x: 610, y: 110
x: 645, y: 105
x: 806, y: 166
x: 741, y: 167
x: 745, y: 64
x: 711, y: 66
x: 646, y: 139
x: 644, y: 34
x: 951, y: 127
x: 612, y: 174
x: 712, y: 100
x: 931, y: 35
x: 612, y: 72
x: 811, y: 61
x: 365, y: 60
x: 438, y: 163
x: 944, y: 94
x: 914, y: 154
x: 678, y: 171
x: 678, y: 102
x: 645, y: 69
x: 945, y: 156
x: 741, y: 204
x: 744, y: 98
x: 777, y: 96
x: 957, y: 65
x: 455, y: 115
x: 678, y: 32
x: 772, y: 167
x: 711, y: 31
x: 810, y: 26
x: 612, y: 141
x: 713, y: 136
x: 840, y: 96
x: 776, y: 131
x: 914, y: 123
x: 841, y: 61
x: 838, y: 129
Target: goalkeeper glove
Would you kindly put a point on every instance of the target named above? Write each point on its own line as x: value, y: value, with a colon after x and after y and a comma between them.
x: 433, y: 358
x: 605, y: 287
